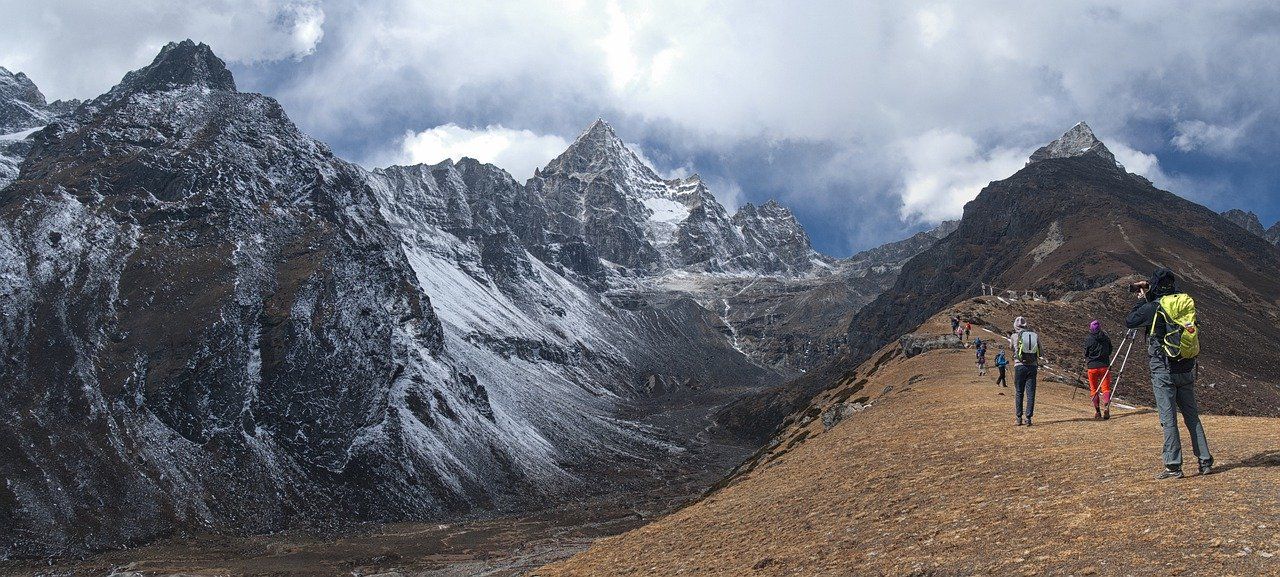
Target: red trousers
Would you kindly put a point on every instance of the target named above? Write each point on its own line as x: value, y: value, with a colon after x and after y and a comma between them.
x: 1100, y: 380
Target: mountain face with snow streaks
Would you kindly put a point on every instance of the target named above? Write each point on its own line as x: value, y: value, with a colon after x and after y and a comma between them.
x: 211, y: 322
x: 600, y: 191
x: 23, y: 110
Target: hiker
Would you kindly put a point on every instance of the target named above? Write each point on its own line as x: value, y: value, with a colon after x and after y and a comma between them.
x: 960, y: 334
x: 1168, y: 317
x: 1001, y: 363
x: 1026, y: 360
x: 955, y: 323
x: 982, y: 356
x: 967, y: 327
x: 1097, y: 356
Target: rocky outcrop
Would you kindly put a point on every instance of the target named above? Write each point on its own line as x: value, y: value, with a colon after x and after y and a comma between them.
x: 1249, y: 221
x: 913, y: 344
x: 1246, y: 220
x: 23, y: 110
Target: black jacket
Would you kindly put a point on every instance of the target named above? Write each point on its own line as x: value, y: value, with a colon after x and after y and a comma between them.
x: 1097, y: 350
x: 1142, y: 317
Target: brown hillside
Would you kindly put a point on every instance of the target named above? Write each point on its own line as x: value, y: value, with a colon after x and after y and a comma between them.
x: 1062, y: 225
x: 932, y: 478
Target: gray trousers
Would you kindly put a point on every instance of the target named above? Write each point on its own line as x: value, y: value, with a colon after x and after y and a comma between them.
x: 1176, y: 393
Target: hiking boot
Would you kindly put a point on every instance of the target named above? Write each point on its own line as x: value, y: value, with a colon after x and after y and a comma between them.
x: 1170, y: 474
x: 1106, y: 414
x: 1206, y: 468
x: 1019, y: 422
x: 1028, y: 421
x: 1097, y: 414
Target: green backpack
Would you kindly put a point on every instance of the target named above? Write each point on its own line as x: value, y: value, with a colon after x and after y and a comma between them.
x: 1181, y: 337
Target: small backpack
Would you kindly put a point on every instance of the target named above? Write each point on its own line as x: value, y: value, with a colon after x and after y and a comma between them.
x: 1181, y: 337
x: 1028, y: 347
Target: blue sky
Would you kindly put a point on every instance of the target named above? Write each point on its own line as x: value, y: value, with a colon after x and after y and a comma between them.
x: 871, y: 120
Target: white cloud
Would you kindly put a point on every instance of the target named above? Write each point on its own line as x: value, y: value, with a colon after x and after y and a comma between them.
x: 727, y: 192
x: 80, y: 49
x: 1139, y: 162
x: 1198, y: 134
x: 519, y: 152
x: 945, y: 170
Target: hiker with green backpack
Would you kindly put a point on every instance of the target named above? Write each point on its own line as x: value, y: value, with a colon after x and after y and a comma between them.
x: 1173, y: 341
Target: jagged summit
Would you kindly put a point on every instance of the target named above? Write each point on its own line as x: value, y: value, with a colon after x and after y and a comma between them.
x: 20, y: 87
x: 1247, y: 220
x: 1079, y: 141
x: 21, y: 103
x: 179, y: 64
x: 598, y: 149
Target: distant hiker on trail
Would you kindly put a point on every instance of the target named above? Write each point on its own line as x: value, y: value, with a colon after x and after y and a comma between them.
x: 1097, y: 356
x: 1001, y: 363
x: 967, y: 327
x: 1169, y: 318
x: 982, y: 356
x: 955, y: 323
x: 960, y: 335
x: 1026, y: 360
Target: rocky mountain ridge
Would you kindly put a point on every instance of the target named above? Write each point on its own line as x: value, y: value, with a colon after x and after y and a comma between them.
x: 600, y: 191
x: 23, y: 110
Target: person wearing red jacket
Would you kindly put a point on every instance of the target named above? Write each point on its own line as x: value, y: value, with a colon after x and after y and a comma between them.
x: 1097, y: 357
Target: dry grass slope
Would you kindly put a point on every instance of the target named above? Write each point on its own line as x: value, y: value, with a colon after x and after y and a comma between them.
x: 934, y: 479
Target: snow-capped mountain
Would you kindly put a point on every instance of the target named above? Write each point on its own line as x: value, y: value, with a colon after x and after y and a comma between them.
x: 210, y: 321
x: 600, y: 191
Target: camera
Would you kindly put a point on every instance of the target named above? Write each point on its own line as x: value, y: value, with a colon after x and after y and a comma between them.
x: 1139, y: 286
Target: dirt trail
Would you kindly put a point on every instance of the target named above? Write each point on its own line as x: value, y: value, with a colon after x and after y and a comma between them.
x: 934, y: 479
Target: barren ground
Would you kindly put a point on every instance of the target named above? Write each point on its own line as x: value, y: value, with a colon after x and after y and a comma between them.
x: 934, y: 479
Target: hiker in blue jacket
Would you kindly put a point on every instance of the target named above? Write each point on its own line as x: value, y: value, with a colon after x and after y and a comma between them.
x: 1001, y: 363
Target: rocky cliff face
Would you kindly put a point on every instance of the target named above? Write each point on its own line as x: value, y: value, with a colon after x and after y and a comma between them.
x: 1246, y: 220
x: 23, y: 110
x: 211, y: 322
x: 1249, y: 221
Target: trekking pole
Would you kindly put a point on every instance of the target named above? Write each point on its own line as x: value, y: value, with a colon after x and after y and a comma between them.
x: 1116, y: 386
x: 1113, y: 361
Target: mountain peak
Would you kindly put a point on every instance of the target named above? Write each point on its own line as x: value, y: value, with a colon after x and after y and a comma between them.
x: 1078, y: 141
x: 22, y: 105
x: 599, y: 128
x: 1246, y: 220
x: 18, y: 86
x: 183, y: 63
x: 598, y: 149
